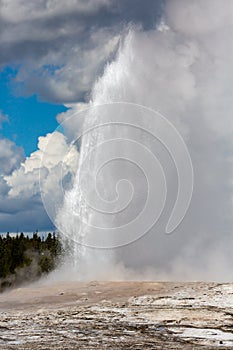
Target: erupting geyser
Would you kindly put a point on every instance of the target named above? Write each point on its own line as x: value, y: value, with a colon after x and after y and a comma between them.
x: 119, y: 190
x: 183, y: 69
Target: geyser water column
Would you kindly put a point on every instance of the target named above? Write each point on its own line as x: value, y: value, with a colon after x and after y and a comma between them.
x: 183, y: 68
x: 119, y: 191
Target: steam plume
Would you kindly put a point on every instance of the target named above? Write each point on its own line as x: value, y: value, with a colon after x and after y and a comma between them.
x: 183, y: 68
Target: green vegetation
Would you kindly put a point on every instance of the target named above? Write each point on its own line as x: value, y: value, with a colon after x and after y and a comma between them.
x: 24, y: 259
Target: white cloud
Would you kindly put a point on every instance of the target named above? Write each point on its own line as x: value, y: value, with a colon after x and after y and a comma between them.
x: 52, y: 151
x: 20, y: 189
x: 10, y: 156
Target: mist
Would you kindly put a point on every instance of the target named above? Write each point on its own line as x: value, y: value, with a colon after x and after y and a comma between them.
x: 183, y: 69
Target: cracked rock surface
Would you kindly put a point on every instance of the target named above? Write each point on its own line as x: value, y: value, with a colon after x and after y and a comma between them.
x: 117, y: 315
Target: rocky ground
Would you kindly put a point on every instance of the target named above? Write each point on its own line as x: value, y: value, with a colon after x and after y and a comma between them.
x: 117, y: 315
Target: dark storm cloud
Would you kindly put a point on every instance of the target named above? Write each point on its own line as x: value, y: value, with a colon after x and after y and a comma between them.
x: 78, y: 36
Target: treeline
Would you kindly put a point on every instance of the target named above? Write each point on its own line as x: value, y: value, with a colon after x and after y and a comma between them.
x: 25, y: 259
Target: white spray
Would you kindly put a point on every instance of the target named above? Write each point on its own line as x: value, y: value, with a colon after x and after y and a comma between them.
x: 183, y: 69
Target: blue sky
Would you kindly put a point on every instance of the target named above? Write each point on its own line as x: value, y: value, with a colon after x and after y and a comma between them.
x: 28, y: 118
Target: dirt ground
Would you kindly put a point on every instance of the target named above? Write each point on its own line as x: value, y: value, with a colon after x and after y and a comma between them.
x: 117, y: 315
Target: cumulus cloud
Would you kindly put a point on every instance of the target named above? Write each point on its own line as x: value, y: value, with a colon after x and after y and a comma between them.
x: 20, y: 188
x: 25, y: 180
x: 62, y: 48
x: 10, y: 156
x: 68, y: 78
